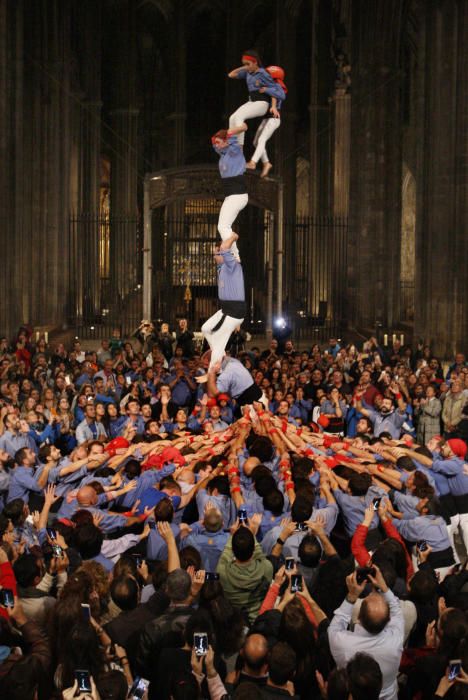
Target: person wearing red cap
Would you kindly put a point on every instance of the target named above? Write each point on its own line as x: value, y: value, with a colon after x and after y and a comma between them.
x: 450, y: 461
x: 271, y: 122
x: 256, y: 78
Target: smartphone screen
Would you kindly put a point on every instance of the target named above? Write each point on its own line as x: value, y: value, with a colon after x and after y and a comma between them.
x: 454, y: 668
x: 376, y: 503
x: 296, y: 583
x: 57, y: 550
x: 52, y: 533
x: 301, y: 527
x: 128, y: 380
x: 421, y: 545
x: 7, y: 597
x: 200, y: 643
x: 138, y: 560
x: 363, y: 572
x: 290, y: 563
x: 243, y: 519
x: 84, y: 680
x: 140, y: 685
x: 86, y: 611
x: 211, y: 576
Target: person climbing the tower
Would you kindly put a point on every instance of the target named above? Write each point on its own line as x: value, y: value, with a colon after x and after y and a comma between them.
x: 259, y: 101
x: 232, y: 171
x: 231, y: 293
x: 271, y: 122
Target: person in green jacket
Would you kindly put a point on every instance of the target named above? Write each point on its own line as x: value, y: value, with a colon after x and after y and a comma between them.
x: 244, y: 571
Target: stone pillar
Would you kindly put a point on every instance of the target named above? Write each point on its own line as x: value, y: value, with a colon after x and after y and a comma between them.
x: 124, y: 154
x: 375, y: 192
x: 178, y: 65
x: 342, y: 150
x: 442, y: 224
x: 123, y: 197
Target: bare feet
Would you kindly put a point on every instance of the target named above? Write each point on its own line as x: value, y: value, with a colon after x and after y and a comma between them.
x: 266, y: 169
x: 225, y: 245
x: 251, y: 165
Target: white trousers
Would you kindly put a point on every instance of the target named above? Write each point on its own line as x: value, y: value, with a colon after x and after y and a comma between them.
x: 264, y: 132
x: 218, y: 339
x: 249, y: 110
x: 230, y: 208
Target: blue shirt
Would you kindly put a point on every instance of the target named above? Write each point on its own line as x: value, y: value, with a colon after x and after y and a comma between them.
x: 231, y: 161
x: 209, y: 544
x: 223, y: 503
x: 390, y: 423
x: 353, y: 507
x: 151, y: 497
x: 234, y: 378
x: 12, y: 442
x: 230, y: 278
x: 261, y: 78
x: 430, y: 528
x: 453, y: 469
x: 156, y: 547
x: 22, y: 481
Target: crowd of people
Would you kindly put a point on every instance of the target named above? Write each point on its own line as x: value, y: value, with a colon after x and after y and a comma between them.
x: 161, y: 541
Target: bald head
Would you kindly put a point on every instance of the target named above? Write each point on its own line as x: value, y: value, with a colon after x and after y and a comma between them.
x: 250, y: 464
x: 213, y: 520
x: 255, y: 654
x: 374, y: 614
x: 187, y: 476
x: 86, y: 496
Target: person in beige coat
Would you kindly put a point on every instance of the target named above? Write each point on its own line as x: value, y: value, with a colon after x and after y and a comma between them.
x: 453, y: 407
x: 428, y: 414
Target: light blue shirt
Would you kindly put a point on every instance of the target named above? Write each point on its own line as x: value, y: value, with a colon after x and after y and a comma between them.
x: 386, y: 647
x: 22, y: 482
x: 234, y: 378
x: 230, y: 278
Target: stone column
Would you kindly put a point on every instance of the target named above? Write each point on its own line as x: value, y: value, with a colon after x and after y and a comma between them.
x: 124, y: 154
x: 341, y: 101
x: 375, y: 166
x: 442, y: 225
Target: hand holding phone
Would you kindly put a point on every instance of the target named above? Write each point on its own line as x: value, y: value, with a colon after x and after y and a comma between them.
x: 7, y: 598
x: 454, y: 669
x: 138, y: 689
x: 83, y: 678
x: 200, y: 643
x: 363, y: 572
x: 296, y: 583
x: 242, y: 515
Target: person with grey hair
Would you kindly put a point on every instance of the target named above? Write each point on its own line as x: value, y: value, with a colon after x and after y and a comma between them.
x: 157, y: 632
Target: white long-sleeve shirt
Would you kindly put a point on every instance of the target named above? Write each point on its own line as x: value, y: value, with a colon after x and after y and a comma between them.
x: 386, y: 647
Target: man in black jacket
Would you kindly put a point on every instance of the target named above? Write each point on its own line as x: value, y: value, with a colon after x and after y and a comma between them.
x: 167, y: 629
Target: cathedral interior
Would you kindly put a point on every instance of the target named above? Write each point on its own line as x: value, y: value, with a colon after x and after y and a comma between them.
x: 108, y: 186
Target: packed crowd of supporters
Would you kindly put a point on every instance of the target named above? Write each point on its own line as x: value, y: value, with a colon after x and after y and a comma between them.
x: 160, y: 543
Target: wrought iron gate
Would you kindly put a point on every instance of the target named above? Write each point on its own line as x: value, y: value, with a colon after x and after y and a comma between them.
x: 184, y: 276
x: 184, y: 272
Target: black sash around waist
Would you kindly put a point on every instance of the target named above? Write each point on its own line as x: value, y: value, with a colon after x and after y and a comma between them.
x: 443, y: 558
x: 234, y: 185
x: 257, y: 96
x: 249, y: 395
x: 462, y: 503
x: 235, y: 309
